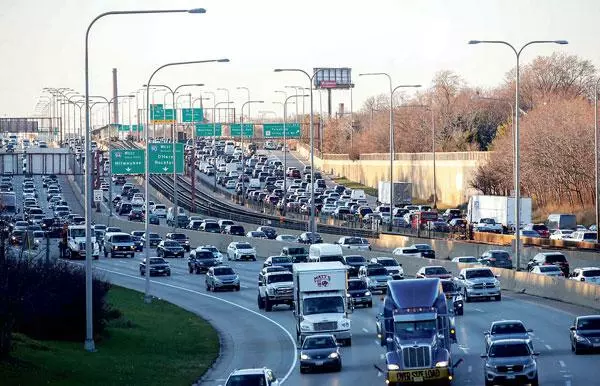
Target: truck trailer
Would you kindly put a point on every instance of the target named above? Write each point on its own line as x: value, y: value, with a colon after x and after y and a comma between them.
x: 320, y: 302
x: 402, y: 192
x: 418, y: 332
x: 499, y: 208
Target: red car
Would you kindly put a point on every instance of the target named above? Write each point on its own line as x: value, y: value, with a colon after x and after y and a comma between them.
x: 433, y: 271
x: 136, y: 215
x: 542, y: 229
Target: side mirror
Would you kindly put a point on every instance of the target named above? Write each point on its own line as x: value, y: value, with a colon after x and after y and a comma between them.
x: 461, y: 277
x: 529, y: 330
x: 496, y: 276
x: 486, y: 333
x: 536, y: 354
x: 572, y: 328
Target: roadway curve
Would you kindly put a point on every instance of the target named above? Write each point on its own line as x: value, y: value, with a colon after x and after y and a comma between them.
x: 256, y: 338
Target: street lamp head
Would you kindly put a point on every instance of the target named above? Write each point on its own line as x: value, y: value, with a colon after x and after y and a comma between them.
x: 224, y: 60
x: 561, y: 42
x: 474, y: 41
x: 197, y: 10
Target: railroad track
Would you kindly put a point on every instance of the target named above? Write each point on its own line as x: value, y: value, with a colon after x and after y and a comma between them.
x: 211, y: 206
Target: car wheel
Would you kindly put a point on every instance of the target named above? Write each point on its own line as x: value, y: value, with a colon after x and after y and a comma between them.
x: 259, y: 301
x: 339, y: 367
x: 498, y: 298
x: 268, y: 305
x: 370, y: 305
x: 142, y: 272
x: 237, y: 288
x: 207, y: 287
x: 105, y: 254
x: 302, y: 370
x: 576, y: 349
x: 489, y: 383
x: 349, y: 342
x: 191, y: 269
x: 467, y: 298
x: 534, y: 381
x: 169, y: 274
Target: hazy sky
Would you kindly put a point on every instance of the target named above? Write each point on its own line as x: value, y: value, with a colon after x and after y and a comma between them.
x: 42, y: 43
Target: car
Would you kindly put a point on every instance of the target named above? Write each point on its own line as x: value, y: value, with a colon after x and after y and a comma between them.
x: 510, y: 361
x: 350, y: 242
x: 507, y: 329
x: 454, y: 299
x: 237, y: 250
x: 425, y: 249
x: 154, y: 239
x: 251, y: 377
x: 585, y: 334
x: 406, y: 252
x: 487, y: 225
x: 200, y: 260
x: 158, y: 266
x: 353, y: 264
x: 181, y: 238
x: 124, y: 209
x: 153, y: 219
x: 548, y: 270
x: 376, y: 277
x: 113, y: 230
x: 222, y: 277
x: 310, y: 238
x: 479, y: 283
x: 358, y: 293
x: 269, y: 231
x: 497, y: 258
x: 170, y: 248
x: 586, y: 274
x: 550, y: 258
x: 529, y: 233
x: 118, y: 244
x: 213, y: 227
x: 223, y: 223
x: 391, y: 265
x: 275, y: 287
x: 433, y: 271
x: 561, y: 234
x: 287, y: 238
x: 215, y: 251
x: 541, y: 229
x: 320, y: 351
x: 137, y: 240
x: 194, y: 225
x: 136, y: 215
x: 160, y: 210
x: 583, y: 236
x: 256, y: 235
x: 465, y: 260
x: 236, y: 230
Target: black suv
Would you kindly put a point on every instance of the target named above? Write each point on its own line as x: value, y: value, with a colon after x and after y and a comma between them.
x: 547, y: 258
x: 200, y: 260
x: 496, y: 258
x: 236, y: 230
x: 354, y: 262
x: 181, y: 238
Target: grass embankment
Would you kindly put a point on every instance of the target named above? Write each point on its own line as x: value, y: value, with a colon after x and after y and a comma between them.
x: 355, y: 185
x: 155, y: 344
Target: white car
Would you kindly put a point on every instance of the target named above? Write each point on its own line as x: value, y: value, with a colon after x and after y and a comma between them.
x: 561, y: 234
x: 579, y: 236
x: 465, y: 260
x: 586, y: 274
x: 230, y: 184
x: 261, y: 376
x: 239, y: 250
x: 151, y: 206
x: 287, y: 238
x: 137, y: 201
x: 406, y: 252
x: 548, y: 270
x: 160, y: 210
x: 356, y: 243
x: 216, y: 253
x: 328, y: 209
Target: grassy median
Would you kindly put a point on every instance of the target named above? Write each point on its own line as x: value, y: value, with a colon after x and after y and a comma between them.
x: 156, y: 344
x: 355, y: 185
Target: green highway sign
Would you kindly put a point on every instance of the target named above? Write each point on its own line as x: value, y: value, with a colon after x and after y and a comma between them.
x: 192, y: 115
x: 124, y: 127
x: 235, y: 130
x: 161, y: 158
x: 157, y: 113
x: 208, y: 130
x: 137, y: 127
x: 56, y: 131
x: 170, y: 115
x: 127, y: 161
x: 275, y: 130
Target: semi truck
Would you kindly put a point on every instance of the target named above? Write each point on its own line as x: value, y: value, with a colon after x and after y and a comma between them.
x: 499, y: 208
x: 402, y: 192
x: 320, y: 302
x: 417, y: 329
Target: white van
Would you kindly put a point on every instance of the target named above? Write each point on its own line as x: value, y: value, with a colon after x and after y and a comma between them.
x: 229, y: 147
x: 171, y: 213
x: 358, y: 194
x: 325, y: 252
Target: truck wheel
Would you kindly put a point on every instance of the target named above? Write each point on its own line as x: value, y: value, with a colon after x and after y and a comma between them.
x: 467, y: 298
x: 268, y: 305
x: 105, y: 253
x: 259, y: 301
x: 190, y: 269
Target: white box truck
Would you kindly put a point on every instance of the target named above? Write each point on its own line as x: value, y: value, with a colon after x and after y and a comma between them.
x: 402, y: 192
x: 499, y: 208
x: 320, y: 305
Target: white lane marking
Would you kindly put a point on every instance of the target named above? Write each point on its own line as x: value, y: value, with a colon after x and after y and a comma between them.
x: 562, y: 364
x: 381, y: 356
x: 376, y: 342
x: 548, y: 347
x: 470, y: 369
x: 292, y: 367
x: 465, y: 349
x: 567, y: 383
x: 478, y: 310
x: 365, y: 330
x: 379, y: 374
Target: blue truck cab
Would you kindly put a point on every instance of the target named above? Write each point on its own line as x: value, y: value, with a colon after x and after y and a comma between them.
x: 418, y: 331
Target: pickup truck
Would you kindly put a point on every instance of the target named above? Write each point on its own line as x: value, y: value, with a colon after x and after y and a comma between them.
x: 487, y: 225
x: 585, y: 236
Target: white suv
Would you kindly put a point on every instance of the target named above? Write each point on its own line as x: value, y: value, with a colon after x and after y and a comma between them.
x: 241, y: 251
x: 262, y: 376
x: 586, y: 274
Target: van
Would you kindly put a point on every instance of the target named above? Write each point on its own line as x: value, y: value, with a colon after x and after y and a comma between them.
x: 358, y: 194
x: 561, y: 221
x: 171, y: 213
x: 325, y: 252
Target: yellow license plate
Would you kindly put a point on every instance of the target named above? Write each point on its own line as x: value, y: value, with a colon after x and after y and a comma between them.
x: 416, y: 376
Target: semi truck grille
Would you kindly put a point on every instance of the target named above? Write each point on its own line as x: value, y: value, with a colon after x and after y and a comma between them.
x: 325, y: 326
x: 416, y: 357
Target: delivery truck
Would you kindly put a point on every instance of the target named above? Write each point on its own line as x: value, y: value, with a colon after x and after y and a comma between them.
x: 320, y: 302
x: 499, y: 208
x: 402, y: 192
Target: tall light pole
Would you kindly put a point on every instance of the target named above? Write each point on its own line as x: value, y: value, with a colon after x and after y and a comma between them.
x: 392, y: 90
x: 517, y: 161
x: 242, y: 141
x: 596, y: 160
x: 215, y: 134
x: 313, y: 225
x: 248, y: 94
x: 296, y: 88
x: 147, y: 297
x: 227, y: 117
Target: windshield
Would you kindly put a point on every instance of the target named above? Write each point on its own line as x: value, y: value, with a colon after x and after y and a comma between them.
x: 487, y: 221
x: 588, y: 323
x: 76, y: 232
x: 448, y: 286
x: 323, y: 305
x: 478, y: 273
x: 121, y: 238
x: 422, y: 247
x: 508, y: 328
x: 415, y: 329
x: 246, y: 380
x: 204, y: 254
x: 320, y: 342
x: 356, y: 285
x: 380, y: 271
x: 409, y: 250
x: 331, y: 258
x: 281, y: 260
x: 556, y: 258
x: 171, y: 244
x: 178, y: 236
x: 500, y: 255
x: 280, y: 278
x: 467, y: 260
x: 157, y: 260
x: 244, y: 246
x: 435, y: 271
x: 388, y: 262
x: 549, y: 268
x: 505, y: 350
x: 353, y: 240
x: 296, y: 251
x: 224, y: 271
x: 355, y: 259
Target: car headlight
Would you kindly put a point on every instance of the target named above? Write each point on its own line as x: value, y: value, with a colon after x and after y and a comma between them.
x: 333, y: 355
x: 345, y: 323
x: 305, y: 327
x: 392, y: 366
x: 469, y: 285
x: 580, y: 338
x: 441, y: 364
x: 367, y: 293
x: 491, y: 367
x: 529, y: 366
x: 348, y: 295
x: 304, y: 357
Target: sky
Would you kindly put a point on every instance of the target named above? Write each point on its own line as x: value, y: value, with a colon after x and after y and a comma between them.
x: 42, y: 44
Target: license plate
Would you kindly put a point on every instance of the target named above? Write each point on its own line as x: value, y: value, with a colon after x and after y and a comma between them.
x: 510, y: 376
x: 319, y: 363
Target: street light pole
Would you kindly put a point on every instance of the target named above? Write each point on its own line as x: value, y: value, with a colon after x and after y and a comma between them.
x: 215, y: 135
x: 227, y: 118
x: 517, y: 161
x: 596, y: 160
x: 248, y: 94
x: 392, y: 90
x: 242, y: 141
x: 295, y: 93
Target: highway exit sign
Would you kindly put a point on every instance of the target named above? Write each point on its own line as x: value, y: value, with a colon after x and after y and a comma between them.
x: 275, y: 130
x: 127, y: 161
x: 208, y: 130
x: 161, y: 158
x: 192, y: 115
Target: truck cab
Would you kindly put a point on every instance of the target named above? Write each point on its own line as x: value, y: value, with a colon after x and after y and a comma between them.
x: 418, y: 332
x: 76, y: 243
x: 320, y: 301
